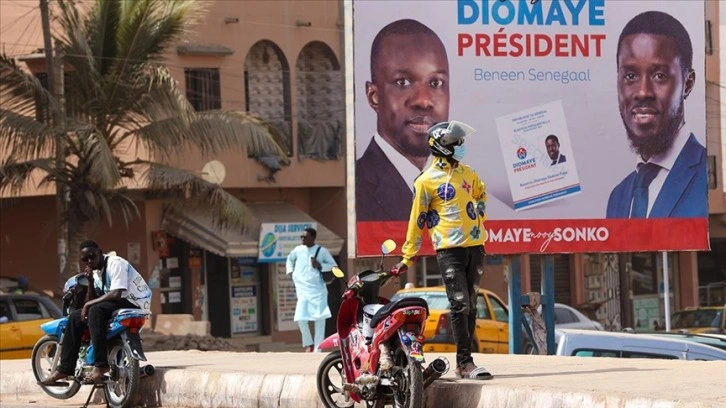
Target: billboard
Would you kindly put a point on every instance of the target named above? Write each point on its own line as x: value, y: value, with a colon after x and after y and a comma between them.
x: 590, y: 118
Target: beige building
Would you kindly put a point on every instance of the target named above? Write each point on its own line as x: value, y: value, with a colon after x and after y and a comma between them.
x: 284, y: 61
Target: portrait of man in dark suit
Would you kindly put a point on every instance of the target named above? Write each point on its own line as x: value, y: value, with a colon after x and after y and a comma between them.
x: 552, y: 143
x: 655, y: 76
x: 409, y: 91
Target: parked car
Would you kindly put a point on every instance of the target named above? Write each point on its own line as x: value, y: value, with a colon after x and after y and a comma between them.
x: 567, y: 317
x: 709, y: 319
x: 589, y: 343
x: 20, y: 318
x: 713, y: 340
x: 492, y: 323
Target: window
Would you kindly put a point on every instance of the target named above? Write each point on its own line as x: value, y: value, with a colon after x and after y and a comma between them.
x: 563, y: 315
x: 482, y: 311
x: 5, y: 312
x: 595, y: 353
x: 27, y: 309
x: 631, y: 354
x: 203, y: 89
x: 500, y: 312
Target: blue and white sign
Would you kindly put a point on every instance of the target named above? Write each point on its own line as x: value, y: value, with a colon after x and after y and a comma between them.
x: 278, y: 239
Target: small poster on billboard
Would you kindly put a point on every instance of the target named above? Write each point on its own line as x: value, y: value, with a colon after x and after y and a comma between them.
x: 537, y: 150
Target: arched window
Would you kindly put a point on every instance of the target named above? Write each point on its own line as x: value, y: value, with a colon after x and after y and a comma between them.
x: 320, y: 103
x: 267, y: 87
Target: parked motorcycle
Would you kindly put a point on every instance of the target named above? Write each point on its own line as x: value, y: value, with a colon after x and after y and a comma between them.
x: 124, y: 351
x: 380, y: 354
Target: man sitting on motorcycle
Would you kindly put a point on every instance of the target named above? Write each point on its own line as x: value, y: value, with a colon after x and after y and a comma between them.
x: 450, y: 199
x: 112, y: 284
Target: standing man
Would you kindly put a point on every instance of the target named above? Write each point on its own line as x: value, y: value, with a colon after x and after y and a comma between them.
x: 552, y: 143
x: 112, y: 284
x: 306, y: 263
x: 655, y: 76
x: 409, y: 91
x: 451, y: 201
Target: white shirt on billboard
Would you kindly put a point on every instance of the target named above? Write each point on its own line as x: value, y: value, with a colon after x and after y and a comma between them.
x: 405, y: 168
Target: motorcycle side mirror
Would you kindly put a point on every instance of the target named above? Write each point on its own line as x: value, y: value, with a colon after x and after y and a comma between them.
x: 337, y: 272
x: 388, y: 246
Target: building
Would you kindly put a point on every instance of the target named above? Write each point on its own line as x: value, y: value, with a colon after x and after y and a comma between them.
x: 281, y: 62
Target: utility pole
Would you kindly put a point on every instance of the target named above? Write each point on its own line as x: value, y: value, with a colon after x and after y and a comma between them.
x: 55, y: 88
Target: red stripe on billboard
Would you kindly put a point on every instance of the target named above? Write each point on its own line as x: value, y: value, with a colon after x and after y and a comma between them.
x: 560, y: 236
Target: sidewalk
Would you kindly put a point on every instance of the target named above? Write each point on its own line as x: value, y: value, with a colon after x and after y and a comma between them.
x: 224, y: 379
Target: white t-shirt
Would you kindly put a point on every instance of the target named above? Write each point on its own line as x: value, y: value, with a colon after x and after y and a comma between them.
x: 121, y: 275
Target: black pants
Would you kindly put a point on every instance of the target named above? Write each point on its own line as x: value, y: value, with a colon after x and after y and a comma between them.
x: 98, y: 316
x: 461, y: 269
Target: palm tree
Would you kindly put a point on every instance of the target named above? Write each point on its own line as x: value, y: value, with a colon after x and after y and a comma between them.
x: 119, y: 94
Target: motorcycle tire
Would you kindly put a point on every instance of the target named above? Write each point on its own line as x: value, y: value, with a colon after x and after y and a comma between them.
x: 329, y: 387
x: 42, y: 361
x: 123, y: 390
x: 409, y: 376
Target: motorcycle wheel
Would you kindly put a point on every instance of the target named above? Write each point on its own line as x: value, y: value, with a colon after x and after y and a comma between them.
x: 42, y: 359
x: 409, y: 377
x: 330, y: 379
x: 122, y: 391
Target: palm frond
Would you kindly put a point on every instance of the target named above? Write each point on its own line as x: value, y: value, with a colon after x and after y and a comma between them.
x: 183, y: 189
x: 19, y: 90
x: 23, y: 137
x: 15, y: 175
x: 146, y: 29
x: 92, y: 205
x: 21, y: 133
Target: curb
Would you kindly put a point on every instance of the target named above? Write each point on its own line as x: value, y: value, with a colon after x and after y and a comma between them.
x: 174, y: 387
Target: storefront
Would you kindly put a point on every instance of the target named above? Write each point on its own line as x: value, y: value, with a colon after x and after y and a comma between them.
x: 235, y: 278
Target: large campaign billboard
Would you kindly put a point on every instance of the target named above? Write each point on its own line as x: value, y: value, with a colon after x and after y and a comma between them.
x: 590, y: 118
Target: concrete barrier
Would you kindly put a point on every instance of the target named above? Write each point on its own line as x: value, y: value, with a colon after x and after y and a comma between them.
x: 287, y: 380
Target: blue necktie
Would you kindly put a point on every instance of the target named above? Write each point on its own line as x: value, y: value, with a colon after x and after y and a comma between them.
x: 646, y: 174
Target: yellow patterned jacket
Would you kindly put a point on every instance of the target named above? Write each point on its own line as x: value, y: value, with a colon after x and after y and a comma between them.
x: 451, y: 202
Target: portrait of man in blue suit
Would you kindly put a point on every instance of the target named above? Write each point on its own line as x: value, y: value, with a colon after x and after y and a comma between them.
x: 552, y: 143
x: 409, y: 91
x: 655, y: 76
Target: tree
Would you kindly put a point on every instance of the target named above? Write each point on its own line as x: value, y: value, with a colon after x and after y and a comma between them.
x: 118, y: 94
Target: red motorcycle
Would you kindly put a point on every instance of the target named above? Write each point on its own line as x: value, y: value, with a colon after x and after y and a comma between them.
x: 380, y: 355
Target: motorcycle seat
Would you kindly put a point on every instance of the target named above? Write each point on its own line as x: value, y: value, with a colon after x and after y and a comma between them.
x: 127, y: 310
x: 403, y: 302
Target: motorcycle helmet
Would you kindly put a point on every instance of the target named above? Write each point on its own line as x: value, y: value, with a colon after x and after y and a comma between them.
x: 445, y: 136
x: 74, y: 293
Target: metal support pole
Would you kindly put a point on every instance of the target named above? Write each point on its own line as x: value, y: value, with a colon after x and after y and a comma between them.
x: 515, y: 309
x: 666, y: 292
x: 548, y: 301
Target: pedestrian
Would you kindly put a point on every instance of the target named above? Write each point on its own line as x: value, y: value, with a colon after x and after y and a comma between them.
x: 23, y: 286
x: 306, y: 263
x: 112, y: 284
x: 450, y: 199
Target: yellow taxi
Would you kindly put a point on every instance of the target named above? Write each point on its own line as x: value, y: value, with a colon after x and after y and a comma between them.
x: 705, y: 319
x: 492, y: 321
x: 20, y: 318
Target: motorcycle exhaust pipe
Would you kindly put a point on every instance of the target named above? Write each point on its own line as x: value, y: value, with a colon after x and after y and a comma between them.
x: 147, y: 370
x: 435, y: 370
